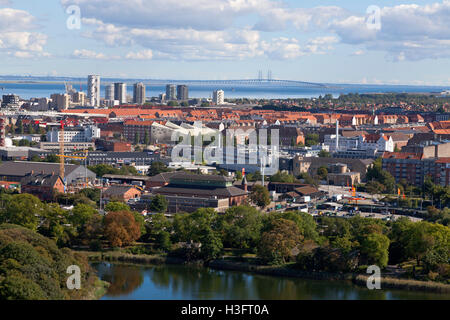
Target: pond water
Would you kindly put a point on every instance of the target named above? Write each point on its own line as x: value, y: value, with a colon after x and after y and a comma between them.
x: 179, y: 282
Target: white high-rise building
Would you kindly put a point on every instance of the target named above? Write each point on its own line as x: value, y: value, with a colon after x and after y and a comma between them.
x: 120, y: 92
x: 94, y: 90
x: 219, y: 97
x: 109, y: 92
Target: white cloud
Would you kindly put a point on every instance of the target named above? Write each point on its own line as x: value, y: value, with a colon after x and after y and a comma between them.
x: 208, y: 29
x: 305, y: 19
x: 87, y: 54
x: 141, y: 55
x: 195, y: 14
x: 17, y: 38
x: 358, y: 53
x: 408, y: 32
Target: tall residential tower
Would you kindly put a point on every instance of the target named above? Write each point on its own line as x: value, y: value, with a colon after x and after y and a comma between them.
x: 94, y: 90
x: 139, y: 93
x: 120, y: 92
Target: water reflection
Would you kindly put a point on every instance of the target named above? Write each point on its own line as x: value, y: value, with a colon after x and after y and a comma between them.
x: 175, y: 282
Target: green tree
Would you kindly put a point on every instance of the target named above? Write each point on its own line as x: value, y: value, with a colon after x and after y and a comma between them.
x: 81, y: 214
x: 115, y: 206
x: 324, y: 154
x: 159, y: 204
x: 23, y: 210
x: 374, y: 187
x: 102, y: 169
x: 241, y: 227
x: 282, y: 177
x: 311, y: 139
x: 146, y: 138
x: 157, y: 167
x: 375, y: 248
x: 307, y: 227
x: 322, y: 172
x: 137, y: 138
x: 260, y: 196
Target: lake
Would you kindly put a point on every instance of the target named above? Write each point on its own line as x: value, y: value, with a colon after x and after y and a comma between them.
x: 179, y: 282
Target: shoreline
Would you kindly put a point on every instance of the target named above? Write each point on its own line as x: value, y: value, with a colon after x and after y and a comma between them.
x: 277, y: 271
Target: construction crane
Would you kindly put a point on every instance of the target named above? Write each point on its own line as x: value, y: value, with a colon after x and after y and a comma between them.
x: 62, y: 158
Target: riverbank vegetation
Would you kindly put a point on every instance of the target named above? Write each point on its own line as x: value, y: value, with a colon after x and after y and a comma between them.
x: 419, y: 250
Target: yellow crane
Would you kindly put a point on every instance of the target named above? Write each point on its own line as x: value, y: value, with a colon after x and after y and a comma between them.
x: 62, y: 157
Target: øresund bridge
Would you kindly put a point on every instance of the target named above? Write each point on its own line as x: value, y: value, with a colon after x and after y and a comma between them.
x: 241, y: 83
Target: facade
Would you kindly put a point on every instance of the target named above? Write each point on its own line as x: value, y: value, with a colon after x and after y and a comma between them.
x: 369, y: 143
x: 218, y: 97
x: 79, y: 98
x: 121, y: 158
x: 120, y: 92
x: 60, y: 101
x: 68, y: 146
x: 139, y: 93
x: 414, y: 168
x: 94, y: 90
x: 310, y: 165
x: 115, y: 146
x: 78, y: 134
x: 182, y: 92
x: 109, y: 92
x: 10, y: 100
x: 135, y: 131
x: 171, y: 92
x: 42, y: 185
x: 2, y: 132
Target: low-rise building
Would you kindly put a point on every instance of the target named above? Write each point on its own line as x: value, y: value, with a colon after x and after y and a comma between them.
x: 188, y: 192
x: 42, y: 185
x: 121, y: 193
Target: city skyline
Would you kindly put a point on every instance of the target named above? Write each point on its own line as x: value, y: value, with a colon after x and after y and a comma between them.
x: 221, y: 40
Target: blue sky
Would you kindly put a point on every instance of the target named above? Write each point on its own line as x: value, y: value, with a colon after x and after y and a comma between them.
x: 321, y: 41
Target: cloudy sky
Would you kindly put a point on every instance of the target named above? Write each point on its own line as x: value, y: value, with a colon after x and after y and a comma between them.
x: 320, y: 40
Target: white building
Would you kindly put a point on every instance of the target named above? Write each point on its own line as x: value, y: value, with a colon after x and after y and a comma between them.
x: 371, y: 142
x: 77, y: 134
x: 94, y: 90
x: 120, y: 92
x: 218, y: 97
